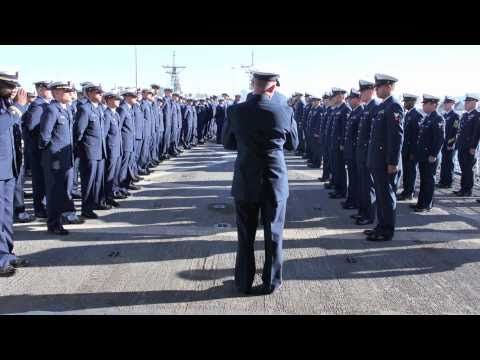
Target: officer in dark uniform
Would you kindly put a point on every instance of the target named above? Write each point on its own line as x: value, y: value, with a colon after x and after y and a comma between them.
x: 202, y: 114
x: 367, y: 199
x: 114, y: 148
x: 467, y: 143
x: 339, y: 120
x: 127, y: 126
x: 157, y: 128
x: 11, y: 111
x: 323, y: 137
x: 384, y: 157
x: 56, y: 141
x: 193, y: 138
x: 167, y: 122
x: 315, y: 121
x: 148, y: 121
x: 429, y: 143
x: 31, y: 122
x: 220, y: 115
x: 308, y: 105
x: 260, y: 129
x: 175, y: 120
x: 90, y: 140
x: 331, y: 157
x: 452, y: 124
x: 413, y: 119
x: 187, y: 127
x: 350, y: 150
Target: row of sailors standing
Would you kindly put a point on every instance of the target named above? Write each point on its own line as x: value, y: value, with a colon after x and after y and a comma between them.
x: 108, y: 140
x: 365, y: 146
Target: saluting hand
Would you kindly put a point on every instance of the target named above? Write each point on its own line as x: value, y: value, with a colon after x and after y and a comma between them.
x: 392, y: 169
x: 21, y: 97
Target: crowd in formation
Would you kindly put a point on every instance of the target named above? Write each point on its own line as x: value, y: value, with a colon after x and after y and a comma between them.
x: 88, y: 144
x: 365, y: 146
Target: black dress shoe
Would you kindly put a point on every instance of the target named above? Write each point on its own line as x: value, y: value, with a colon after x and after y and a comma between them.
x: 75, y: 221
x: 104, y: 206
x: 328, y: 186
x: 413, y: 206
x: 338, y: 196
x: 444, y: 186
x: 7, y: 270
x: 120, y: 196
x: 133, y: 187
x: 113, y: 203
x: 58, y: 230
x: 89, y: 215
x: 403, y: 197
x: 369, y: 232
x: 41, y: 215
x: 350, y: 207
x: 464, y: 193
x: 356, y: 216
x: 379, y: 237
x: 456, y: 191
x: 142, y: 172
x: 28, y: 195
x: 478, y: 200
x: 420, y: 210
x: 25, y: 218
x: 363, y: 222
x: 127, y: 194
x: 19, y: 262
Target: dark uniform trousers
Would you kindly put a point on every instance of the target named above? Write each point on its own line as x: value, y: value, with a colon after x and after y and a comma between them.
x: 18, y: 198
x: 409, y: 174
x: 38, y: 179
x: 59, y: 193
x: 340, y: 173
x: 127, y: 170
x: 6, y: 220
x: 112, y: 177
x: 273, y: 218
x: 353, y: 183
x: 92, y: 179
x: 467, y: 161
x: 447, y: 166
x: 385, y: 190
x: 427, y: 183
x: 366, y: 198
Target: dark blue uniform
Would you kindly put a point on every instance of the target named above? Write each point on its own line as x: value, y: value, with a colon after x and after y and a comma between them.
x: 325, y: 143
x: 339, y: 120
x: 167, y: 125
x: 114, y: 153
x: 220, y: 115
x: 127, y: 127
x: 315, y: 119
x: 56, y: 141
x: 452, y: 124
x: 308, y: 135
x: 8, y: 172
x: 31, y: 122
x: 187, y: 127
x: 260, y: 129
x: 193, y: 137
x: 367, y: 199
x: 429, y: 142
x: 349, y: 153
x: 148, y: 121
x: 159, y: 130
x: 90, y: 140
x: 202, y: 120
x: 413, y: 118
x: 468, y: 139
x: 385, y: 149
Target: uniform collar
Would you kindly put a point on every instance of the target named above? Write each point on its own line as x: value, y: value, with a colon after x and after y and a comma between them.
x: 387, y: 98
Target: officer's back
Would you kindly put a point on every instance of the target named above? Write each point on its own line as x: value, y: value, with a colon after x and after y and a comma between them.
x: 260, y: 129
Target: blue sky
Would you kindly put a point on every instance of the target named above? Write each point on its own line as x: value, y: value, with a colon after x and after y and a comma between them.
x: 436, y: 70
